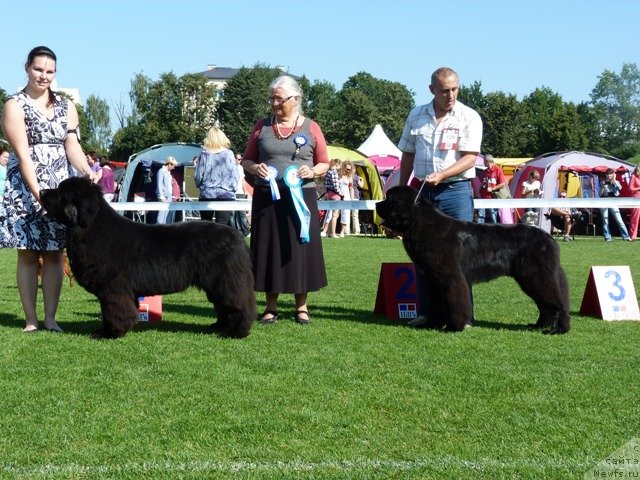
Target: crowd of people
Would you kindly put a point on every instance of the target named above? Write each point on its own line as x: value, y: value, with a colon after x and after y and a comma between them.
x: 285, y: 158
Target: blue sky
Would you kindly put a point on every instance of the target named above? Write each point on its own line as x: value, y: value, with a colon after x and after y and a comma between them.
x: 510, y: 46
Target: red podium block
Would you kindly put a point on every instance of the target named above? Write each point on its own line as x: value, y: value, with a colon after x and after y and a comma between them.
x: 396, y: 297
x: 610, y: 294
x: 150, y: 309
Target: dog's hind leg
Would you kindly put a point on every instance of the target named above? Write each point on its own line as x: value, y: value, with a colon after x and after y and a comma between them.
x: 119, y: 315
x: 552, y: 299
x: 235, y: 310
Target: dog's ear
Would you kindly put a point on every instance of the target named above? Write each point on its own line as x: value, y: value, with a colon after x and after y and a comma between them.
x: 85, y: 212
x: 71, y: 213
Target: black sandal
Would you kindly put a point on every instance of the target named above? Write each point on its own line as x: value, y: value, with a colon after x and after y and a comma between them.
x: 272, y: 319
x: 301, y: 320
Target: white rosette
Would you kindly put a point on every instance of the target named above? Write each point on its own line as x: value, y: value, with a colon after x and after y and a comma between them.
x: 272, y: 173
x: 294, y: 182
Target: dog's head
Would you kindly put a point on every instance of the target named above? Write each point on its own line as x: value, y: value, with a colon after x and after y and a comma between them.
x: 74, y: 203
x: 397, y: 209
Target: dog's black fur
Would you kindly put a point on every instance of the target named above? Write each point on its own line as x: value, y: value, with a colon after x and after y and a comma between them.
x: 119, y: 260
x: 454, y: 255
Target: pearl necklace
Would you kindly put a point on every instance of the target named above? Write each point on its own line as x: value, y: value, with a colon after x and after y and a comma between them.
x: 276, y: 129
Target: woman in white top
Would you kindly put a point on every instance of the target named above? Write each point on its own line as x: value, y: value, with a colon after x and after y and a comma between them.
x: 531, y: 187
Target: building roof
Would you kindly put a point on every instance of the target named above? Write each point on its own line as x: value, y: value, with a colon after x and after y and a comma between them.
x: 213, y: 72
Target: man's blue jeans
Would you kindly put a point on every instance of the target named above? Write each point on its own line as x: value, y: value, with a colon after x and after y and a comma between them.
x: 604, y: 214
x: 487, y: 215
x: 456, y: 200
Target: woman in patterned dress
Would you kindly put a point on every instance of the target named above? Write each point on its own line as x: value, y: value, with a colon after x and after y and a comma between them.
x: 42, y: 128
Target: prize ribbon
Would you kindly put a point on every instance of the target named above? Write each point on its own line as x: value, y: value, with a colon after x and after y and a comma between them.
x: 294, y: 182
x: 272, y: 173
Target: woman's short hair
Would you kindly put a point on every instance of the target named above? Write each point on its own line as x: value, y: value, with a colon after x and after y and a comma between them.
x: 290, y: 86
x: 215, y: 139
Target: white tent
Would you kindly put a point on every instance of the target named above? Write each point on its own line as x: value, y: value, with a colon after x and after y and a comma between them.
x: 378, y: 144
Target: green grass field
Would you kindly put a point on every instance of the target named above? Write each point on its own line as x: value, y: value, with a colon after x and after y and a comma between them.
x: 352, y: 396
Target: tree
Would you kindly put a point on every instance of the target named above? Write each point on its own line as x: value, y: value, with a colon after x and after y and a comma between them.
x: 503, y: 119
x: 244, y: 101
x: 567, y: 132
x: 321, y: 104
x: 616, y: 98
x: 541, y: 106
x: 365, y: 101
x: 472, y: 96
x: 171, y: 109
x: 97, y: 137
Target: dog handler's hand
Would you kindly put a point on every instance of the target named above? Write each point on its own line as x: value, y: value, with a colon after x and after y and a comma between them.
x: 261, y: 170
x: 305, y: 172
x: 434, y: 178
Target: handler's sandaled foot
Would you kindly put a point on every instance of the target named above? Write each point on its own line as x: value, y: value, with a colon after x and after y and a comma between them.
x: 302, y: 317
x: 268, y: 316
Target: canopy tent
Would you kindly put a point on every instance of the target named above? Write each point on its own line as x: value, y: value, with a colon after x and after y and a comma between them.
x: 577, y: 173
x: 377, y: 143
x: 381, y: 151
x: 140, y: 173
x: 372, y: 189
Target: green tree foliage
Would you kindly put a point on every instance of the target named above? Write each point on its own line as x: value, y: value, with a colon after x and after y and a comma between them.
x: 171, y: 109
x: 97, y: 135
x: 181, y: 109
x: 503, y: 118
x: 542, y: 105
x: 322, y: 100
x: 472, y: 96
x: 617, y: 100
x: 365, y: 101
x: 244, y: 101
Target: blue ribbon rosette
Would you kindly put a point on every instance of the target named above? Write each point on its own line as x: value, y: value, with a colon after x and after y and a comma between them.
x: 272, y: 173
x: 294, y: 182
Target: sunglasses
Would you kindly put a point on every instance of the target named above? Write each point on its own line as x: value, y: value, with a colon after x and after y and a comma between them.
x: 279, y: 101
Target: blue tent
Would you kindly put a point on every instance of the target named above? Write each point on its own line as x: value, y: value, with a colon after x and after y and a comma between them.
x: 142, y: 167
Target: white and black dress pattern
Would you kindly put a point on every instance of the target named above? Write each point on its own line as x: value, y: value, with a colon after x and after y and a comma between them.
x: 23, y: 223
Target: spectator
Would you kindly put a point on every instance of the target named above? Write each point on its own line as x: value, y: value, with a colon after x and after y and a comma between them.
x: 42, y: 128
x: 565, y: 215
x: 4, y: 159
x: 107, y: 180
x: 239, y: 218
x: 216, y: 174
x: 358, y: 185
x: 346, y: 188
x: 285, y: 152
x: 634, y: 187
x: 332, y: 189
x: 610, y: 188
x: 164, y: 190
x: 531, y: 187
x: 492, y: 181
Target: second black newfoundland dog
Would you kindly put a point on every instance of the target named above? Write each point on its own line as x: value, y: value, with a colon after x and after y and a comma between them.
x: 454, y: 255
x: 119, y: 260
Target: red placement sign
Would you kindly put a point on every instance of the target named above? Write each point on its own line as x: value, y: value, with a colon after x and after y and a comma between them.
x: 396, y: 297
x: 150, y: 309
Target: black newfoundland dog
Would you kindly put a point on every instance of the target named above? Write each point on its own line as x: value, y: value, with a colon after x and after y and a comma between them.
x: 119, y: 260
x: 454, y: 255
